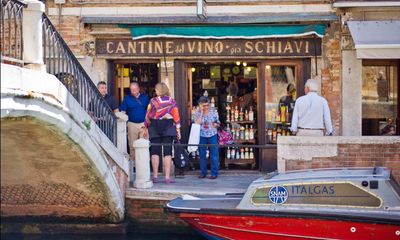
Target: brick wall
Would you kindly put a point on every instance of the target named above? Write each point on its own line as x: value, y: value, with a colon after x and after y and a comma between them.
x: 331, y: 74
x: 147, y: 214
x: 74, y: 33
x: 327, y: 152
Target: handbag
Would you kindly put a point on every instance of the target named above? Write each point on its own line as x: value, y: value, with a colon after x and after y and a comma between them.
x: 181, y: 156
x: 224, y: 137
x: 194, y: 137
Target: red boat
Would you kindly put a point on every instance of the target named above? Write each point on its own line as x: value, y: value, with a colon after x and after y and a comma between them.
x: 316, y: 204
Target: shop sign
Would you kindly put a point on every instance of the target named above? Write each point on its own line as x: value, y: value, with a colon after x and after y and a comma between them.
x: 209, y: 47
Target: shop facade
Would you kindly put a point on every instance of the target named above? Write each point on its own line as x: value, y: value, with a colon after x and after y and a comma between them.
x: 259, y: 66
x: 370, y: 46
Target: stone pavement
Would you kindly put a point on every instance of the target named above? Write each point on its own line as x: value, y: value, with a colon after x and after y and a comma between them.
x: 227, y: 182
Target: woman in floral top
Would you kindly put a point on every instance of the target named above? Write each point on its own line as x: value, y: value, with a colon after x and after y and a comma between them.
x: 209, y: 122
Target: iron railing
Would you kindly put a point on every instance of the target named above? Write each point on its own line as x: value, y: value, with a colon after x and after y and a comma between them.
x: 61, y: 62
x: 12, y: 49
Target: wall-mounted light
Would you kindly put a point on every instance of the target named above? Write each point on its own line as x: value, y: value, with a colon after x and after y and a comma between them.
x: 193, y: 69
x: 268, y: 67
x: 238, y: 63
x: 248, y: 69
x: 158, y: 65
x: 244, y: 64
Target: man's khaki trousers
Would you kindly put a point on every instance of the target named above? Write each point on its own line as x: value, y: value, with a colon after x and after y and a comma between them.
x: 135, y: 131
x: 310, y: 132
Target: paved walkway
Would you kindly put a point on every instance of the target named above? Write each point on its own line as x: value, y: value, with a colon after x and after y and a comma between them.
x: 227, y: 182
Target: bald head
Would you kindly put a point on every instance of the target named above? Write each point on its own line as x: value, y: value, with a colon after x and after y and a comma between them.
x: 135, y: 89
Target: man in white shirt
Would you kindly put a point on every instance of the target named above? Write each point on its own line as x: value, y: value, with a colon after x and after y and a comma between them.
x: 311, y: 114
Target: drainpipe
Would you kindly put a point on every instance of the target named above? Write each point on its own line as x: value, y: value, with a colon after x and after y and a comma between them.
x: 32, y: 32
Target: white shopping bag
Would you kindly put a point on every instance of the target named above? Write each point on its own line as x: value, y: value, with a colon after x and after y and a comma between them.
x: 194, y: 137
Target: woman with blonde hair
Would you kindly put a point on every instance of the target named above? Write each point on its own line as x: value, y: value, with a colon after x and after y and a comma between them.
x: 163, y: 124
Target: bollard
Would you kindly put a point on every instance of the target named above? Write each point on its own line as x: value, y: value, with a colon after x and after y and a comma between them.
x: 32, y: 32
x: 142, y: 164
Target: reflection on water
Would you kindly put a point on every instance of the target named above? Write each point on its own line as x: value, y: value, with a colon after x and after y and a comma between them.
x: 102, y: 237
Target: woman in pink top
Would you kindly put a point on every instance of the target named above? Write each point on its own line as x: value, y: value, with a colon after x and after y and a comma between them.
x: 163, y: 124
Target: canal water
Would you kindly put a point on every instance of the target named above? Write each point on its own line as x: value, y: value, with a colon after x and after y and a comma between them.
x: 103, y: 237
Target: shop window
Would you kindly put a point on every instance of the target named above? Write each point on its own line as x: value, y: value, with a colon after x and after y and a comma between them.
x: 379, y: 98
x: 281, y: 82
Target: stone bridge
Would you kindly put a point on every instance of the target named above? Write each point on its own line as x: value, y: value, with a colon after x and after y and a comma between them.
x: 56, y: 164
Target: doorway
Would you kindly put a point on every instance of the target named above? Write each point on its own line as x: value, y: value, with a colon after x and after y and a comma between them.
x: 269, y: 79
x: 232, y: 91
x: 146, y: 74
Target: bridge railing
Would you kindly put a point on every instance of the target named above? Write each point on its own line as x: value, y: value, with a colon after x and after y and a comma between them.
x: 61, y: 62
x: 12, y: 49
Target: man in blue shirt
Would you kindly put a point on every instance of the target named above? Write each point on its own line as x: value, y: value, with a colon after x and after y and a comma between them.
x: 135, y: 106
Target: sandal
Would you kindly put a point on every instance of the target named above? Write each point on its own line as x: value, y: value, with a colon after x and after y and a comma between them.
x: 168, y: 181
x: 154, y: 179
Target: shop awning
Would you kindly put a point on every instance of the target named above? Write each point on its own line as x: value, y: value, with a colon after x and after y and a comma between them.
x: 376, y: 39
x: 226, y: 31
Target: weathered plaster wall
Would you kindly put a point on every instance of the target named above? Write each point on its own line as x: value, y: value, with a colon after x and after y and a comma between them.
x: 351, y: 92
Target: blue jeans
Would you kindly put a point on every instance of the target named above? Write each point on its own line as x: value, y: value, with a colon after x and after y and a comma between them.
x: 213, y: 155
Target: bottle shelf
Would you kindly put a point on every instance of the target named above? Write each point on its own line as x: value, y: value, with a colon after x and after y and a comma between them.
x: 244, y: 141
x: 242, y: 122
x: 250, y: 160
x: 282, y: 123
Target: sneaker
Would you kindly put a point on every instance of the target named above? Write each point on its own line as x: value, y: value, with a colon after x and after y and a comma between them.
x: 212, y: 177
x: 202, y: 176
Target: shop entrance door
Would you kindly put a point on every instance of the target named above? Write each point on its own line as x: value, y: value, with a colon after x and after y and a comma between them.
x: 281, y: 82
x: 231, y: 86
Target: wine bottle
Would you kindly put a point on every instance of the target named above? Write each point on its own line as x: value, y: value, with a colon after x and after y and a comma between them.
x: 236, y: 113
x: 242, y: 132
x: 246, y: 153
x: 274, y: 136
x: 251, y: 154
x: 278, y: 133
x: 237, y: 153
x: 283, y: 113
x: 228, y: 153
x: 246, y: 133
x: 251, y: 114
x: 246, y: 115
x: 241, y: 114
x: 233, y: 153
x: 237, y: 133
x: 287, y: 115
x: 242, y: 153
x: 269, y: 136
x: 251, y: 132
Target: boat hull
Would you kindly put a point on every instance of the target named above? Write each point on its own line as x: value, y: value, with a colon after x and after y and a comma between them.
x: 215, y: 226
